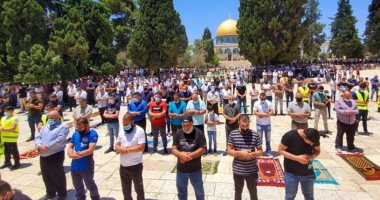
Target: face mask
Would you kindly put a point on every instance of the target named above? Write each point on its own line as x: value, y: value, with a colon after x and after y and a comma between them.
x: 157, y: 99
x: 211, y: 112
x: 213, y: 88
x: 195, y: 102
x: 6, y: 113
x: 111, y: 101
x: 299, y: 100
x: 51, y: 122
x: 176, y: 101
x: 231, y: 102
x: 127, y: 127
x: 145, y: 89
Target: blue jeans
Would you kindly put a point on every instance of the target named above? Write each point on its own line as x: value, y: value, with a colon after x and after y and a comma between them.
x: 291, y: 186
x: 182, y: 180
x: 211, y: 139
x: 113, y: 130
x: 33, y: 121
x: 265, y: 129
x: 244, y: 102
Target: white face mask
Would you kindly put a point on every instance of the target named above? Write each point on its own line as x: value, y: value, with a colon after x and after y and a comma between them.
x: 231, y: 102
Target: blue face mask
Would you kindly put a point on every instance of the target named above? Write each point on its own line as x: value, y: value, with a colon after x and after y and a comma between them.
x: 127, y: 128
x: 51, y: 122
x: 6, y: 113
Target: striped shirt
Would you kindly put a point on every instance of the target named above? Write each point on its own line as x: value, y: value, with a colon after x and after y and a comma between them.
x: 244, y: 141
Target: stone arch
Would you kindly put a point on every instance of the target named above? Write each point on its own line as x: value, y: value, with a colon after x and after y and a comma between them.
x: 236, y: 51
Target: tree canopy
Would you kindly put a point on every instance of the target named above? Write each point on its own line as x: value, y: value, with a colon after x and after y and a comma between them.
x: 372, y: 31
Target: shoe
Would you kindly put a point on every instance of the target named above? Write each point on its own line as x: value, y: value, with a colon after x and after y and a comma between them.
x: 215, y: 152
x: 30, y: 139
x: 16, y: 166
x: 269, y: 154
x: 155, y: 149
x: 282, y: 114
x: 338, y: 150
x: 356, y: 150
x: 108, y: 150
x: 5, y: 166
x: 209, y: 151
x: 225, y: 153
x: 166, y: 151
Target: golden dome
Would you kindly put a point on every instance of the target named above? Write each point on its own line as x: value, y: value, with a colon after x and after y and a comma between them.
x: 227, y: 28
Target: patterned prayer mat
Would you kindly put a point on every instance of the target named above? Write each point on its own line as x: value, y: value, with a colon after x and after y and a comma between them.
x: 208, y: 167
x: 29, y: 154
x: 270, y: 172
x: 323, y: 176
x: 366, y: 168
x: 150, y: 141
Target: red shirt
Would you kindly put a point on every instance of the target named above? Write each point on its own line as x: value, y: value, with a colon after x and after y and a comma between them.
x: 155, y: 107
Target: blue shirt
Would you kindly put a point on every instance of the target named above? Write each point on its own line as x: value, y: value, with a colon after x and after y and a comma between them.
x: 373, y: 82
x: 82, y: 142
x: 142, y: 107
x: 200, y: 105
x: 54, y: 138
x: 177, y: 108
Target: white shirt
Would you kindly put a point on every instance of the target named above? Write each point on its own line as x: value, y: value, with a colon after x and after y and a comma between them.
x: 102, y: 103
x: 225, y: 93
x: 262, y: 107
x: 71, y: 90
x: 254, y: 93
x: 136, y: 137
x: 120, y: 86
x: 79, y: 95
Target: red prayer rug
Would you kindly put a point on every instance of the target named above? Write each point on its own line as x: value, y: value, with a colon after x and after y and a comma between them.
x: 270, y: 172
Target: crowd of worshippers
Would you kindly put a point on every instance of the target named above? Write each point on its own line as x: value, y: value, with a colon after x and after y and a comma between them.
x: 188, y: 109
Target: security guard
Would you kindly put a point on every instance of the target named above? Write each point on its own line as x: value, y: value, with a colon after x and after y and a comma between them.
x: 305, y: 92
x: 362, y: 97
x: 49, y: 107
x: 9, y: 136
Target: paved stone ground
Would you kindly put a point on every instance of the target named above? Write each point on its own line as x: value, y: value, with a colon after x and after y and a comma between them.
x: 159, y: 183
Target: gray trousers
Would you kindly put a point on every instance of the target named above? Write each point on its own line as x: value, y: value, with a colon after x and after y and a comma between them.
x: 318, y: 112
x: 296, y: 125
x: 278, y: 101
x: 88, y: 178
x: 162, y: 130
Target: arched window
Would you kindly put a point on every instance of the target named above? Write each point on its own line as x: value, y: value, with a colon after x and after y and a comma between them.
x: 236, y: 51
x: 227, y: 51
x: 220, y: 51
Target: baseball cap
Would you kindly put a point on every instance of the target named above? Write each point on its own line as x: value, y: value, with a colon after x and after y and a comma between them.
x: 187, y: 118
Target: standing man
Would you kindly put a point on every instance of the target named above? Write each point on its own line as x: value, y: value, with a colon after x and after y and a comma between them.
x: 82, y: 111
x: 157, y: 110
x: 300, y: 112
x: 197, y: 109
x: 375, y: 87
x: 289, y: 94
x: 81, y: 150
x: 9, y: 130
x: 254, y: 93
x: 242, y: 95
x: 362, y: 99
x: 213, y: 98
x: 231, y: 112
x: 278, y: 99
x: 35, y: 105
x: 320, y: 101
x: 111, y: 116
x: 346, y: 110
x: 245, y: 146
x: 51, y: 143
x: 305, y: 92
x: 71, y: 91
x: 102, y: 99
x: 188, y: 146
x: 266, y: 87
x: 299, y: 148
x: 58, y: 103
x: 138, y: 108
x: 131, y: 145
x: 177, y: 110
x: 79, y: 95
x: 263, y: 110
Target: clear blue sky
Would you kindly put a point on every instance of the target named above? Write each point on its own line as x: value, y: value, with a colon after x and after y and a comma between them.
x: 196, y: 15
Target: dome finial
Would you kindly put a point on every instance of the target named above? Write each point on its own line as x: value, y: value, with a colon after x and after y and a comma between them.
x: 229, y: 15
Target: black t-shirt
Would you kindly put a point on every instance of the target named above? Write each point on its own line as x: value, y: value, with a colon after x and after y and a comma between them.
x: 22, y: 92
x: 20, y: 196
x: 297, y: 146
x: 342, y: 85
x: 189, y: 143
x: 111, y: 109
x: 59, y: 102
x: 241, y: 89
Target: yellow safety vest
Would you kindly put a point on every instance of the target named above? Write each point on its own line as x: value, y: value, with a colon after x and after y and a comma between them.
x: 44, y: 119
x: 304, y: 91
x: 359, y: 103
x: 1, y: 149
x: 9, y: 136
x: 378, y: 98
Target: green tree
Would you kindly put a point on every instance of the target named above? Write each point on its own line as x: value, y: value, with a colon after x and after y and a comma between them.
x: 69, y: 42
x: 159, y: 37
x: 372, y: 31
x: 315, y: 36
x: 208, y: 46
x: 22, y: 26
x: 184, y: 59
x: 271, y: 31
x: 344, y: 35
x: 39, y: 66
x: 123, y: 18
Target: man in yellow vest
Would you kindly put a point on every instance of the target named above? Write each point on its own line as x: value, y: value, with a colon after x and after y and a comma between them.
x: 362, y: 97
x: 9, y: 136
x: 44, y: 119
x: 378, y: 101
x: 305, y: 92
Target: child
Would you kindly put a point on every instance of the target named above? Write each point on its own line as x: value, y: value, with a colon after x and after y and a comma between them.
x: 9, y: 136
x: 211, y: 121
x: 328, y: 105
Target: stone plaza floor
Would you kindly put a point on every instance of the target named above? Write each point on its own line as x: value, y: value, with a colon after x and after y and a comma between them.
x: 159, y: 182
